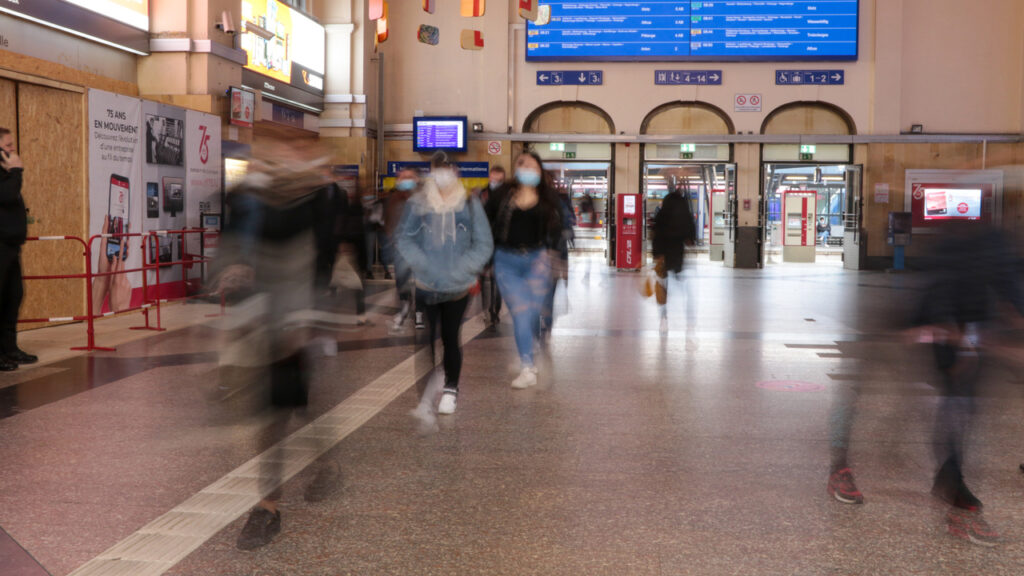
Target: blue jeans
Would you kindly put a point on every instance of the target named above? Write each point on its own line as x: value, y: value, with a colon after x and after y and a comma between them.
x: 524, y: 279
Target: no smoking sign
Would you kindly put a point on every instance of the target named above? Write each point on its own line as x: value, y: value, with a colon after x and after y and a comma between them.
x: 747, y: 103
x: 494, y: 148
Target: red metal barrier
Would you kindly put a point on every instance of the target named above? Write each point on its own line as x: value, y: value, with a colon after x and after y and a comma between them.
x: 148, y: 303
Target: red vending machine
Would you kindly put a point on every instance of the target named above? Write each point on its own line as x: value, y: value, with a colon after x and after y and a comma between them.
x: 629, y: 225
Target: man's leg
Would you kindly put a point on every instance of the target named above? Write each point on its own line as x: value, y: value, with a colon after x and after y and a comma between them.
x: 11, y: 293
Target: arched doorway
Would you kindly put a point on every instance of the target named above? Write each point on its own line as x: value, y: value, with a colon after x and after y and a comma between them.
x: 698, y: 167
x: 810, y: 189
x: 580, y: 168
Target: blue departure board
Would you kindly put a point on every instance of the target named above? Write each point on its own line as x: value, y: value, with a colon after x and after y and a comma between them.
x: 716, y: 30
x: 439, y: 133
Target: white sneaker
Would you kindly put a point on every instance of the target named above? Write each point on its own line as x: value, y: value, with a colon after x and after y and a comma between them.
x: 527, y: 377
x: 447, y: 403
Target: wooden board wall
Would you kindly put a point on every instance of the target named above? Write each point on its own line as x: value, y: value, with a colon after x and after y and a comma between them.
x: 8, y: 105
x: 888, y: 163
x: 50, y: 140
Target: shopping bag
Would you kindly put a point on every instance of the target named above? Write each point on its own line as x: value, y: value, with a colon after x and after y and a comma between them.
x: 648, y: 282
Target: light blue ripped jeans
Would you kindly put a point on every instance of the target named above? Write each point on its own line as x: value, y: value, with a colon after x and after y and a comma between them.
x: 524, y: 278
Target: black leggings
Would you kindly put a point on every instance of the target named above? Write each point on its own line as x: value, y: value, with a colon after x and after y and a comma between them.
x: 448, y: 317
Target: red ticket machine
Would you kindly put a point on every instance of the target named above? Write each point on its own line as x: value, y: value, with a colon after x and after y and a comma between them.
x: 629, y: 225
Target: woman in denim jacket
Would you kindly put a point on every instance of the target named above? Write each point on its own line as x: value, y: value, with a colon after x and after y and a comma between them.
x: 445, y: 238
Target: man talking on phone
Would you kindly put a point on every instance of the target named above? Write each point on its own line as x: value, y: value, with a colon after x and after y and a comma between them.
x: 13, y: 230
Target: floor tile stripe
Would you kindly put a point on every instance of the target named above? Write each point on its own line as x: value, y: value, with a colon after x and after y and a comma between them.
x: 159, y: 545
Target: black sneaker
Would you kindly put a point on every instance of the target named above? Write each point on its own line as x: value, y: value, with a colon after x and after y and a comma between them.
x: 387, y: 275
x: 6, y: 365
x: 260, y: 529
x: 22, y: 357
x: 369, y: 275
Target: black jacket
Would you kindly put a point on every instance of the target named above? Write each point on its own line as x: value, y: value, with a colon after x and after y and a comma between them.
x: 673, y: 227
x: 13, y: 216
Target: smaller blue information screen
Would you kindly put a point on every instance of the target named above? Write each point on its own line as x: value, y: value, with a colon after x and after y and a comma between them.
x: 715, y: 30
x: 439, y: 133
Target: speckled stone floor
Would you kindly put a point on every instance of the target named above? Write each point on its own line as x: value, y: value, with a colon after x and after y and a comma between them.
x: 701, y: 450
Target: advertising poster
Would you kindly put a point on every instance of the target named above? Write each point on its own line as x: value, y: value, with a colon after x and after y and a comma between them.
x: 938, y: 202
x: 163, y: 178
x: 203, y: 180
x: 116, y: 197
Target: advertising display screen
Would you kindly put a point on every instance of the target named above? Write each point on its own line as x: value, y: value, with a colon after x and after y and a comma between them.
x: 933, y: 203
x: 134, y: 13
x: 714, y: 30
x: 439, y: 133
x: 284, y: 44
x: 952, y: 204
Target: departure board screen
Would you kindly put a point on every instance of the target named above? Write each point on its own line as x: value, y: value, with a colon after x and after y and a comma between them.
x: 717, y: 30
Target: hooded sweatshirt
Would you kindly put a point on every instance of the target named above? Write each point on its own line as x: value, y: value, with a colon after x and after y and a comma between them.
x: 445, y: 239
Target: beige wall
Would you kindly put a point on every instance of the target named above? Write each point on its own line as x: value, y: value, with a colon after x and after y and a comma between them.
x: 951, y: 65
x: 963, y: 63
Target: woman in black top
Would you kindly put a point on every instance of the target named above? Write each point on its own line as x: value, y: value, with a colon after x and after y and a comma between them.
x: 526, y: 222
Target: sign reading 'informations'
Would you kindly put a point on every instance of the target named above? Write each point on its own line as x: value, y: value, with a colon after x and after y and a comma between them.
x: 718, y: 30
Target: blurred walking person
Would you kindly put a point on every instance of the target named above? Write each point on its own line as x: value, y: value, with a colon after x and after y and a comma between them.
x: 406, y: 183
x: 13, y: 231
x: 527, y: 223
x: 269, y: 249
x: 446, y: 240
x: 490, y: 295
x: 674, y: 229
x: 973, y: 281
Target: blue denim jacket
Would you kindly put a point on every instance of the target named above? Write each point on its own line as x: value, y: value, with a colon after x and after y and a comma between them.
x: 446, y: 243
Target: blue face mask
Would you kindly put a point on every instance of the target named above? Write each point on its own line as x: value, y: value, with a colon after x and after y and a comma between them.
x: 405, y: 185
x: 527, y: 177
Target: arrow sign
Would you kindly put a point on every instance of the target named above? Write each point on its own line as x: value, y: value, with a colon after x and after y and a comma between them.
x: 570, y: 77
x: 810, y: 77
x: 687, y: 77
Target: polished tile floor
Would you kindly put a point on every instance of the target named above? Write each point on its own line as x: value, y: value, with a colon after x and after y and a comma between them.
x: 700, y: 450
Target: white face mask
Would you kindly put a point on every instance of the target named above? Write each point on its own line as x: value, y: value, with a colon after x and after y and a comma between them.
x: 445, y: 178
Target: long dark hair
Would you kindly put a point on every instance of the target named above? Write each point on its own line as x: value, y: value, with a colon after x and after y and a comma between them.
x: 547, y: 197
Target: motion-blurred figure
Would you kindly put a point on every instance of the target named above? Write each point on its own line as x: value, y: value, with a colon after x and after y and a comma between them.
x: 490, y: 295
x: 445, y: 239
x: 560, y: 262
x: 406, y: 183
x: 674, y: 228
x: 269, y: 250
x: 527, y: 224
x: 973, y: 277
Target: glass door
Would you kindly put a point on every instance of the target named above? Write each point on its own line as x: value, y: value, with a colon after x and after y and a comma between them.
x: 587, y: 185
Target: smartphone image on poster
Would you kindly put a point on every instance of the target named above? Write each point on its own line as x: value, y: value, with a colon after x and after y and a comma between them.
x: 152, y: 200
x: 117, y: 216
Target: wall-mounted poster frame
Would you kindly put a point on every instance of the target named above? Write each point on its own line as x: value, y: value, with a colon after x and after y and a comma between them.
x: 938, y: 197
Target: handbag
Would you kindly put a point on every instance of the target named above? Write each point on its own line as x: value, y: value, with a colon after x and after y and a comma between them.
x: 344, y: 275
x: 648, y: 282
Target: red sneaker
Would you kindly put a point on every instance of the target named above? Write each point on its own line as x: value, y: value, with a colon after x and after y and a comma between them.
x: 969, y: 525
x: 842, y: 488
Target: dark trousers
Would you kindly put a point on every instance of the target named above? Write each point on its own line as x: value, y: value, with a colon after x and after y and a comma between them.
x: 490, y: 296
x: 960, y: 372
x: 11, y: 293
x: 446, y: 317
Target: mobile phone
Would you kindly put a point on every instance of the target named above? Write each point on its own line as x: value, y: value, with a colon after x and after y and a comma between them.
x: 117, y: 215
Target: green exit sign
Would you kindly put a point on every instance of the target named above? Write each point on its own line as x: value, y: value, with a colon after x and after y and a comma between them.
x: 569, y: 155
x: 808, y: 149
x: 691, y: 148
x: 558, y: 146
x: 807, y: 156
x: 686, y: 155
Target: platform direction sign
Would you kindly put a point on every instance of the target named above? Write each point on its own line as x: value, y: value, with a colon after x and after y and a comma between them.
x: 688, y: 77
x: 804, y: 77
x: 570, y: 77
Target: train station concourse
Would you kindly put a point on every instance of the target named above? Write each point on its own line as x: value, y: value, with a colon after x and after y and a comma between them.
x: 383, y: 287
x: 701, y: 449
